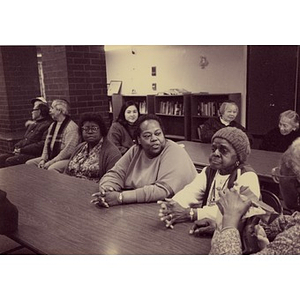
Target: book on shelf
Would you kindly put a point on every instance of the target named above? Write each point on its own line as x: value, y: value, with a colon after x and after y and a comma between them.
x: 143, y: 107
x: 176, y: 92
x: 209, y: 109
x: 171, y: 108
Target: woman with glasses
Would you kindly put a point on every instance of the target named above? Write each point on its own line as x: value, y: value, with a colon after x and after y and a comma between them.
x: 282, y: 236
x: 121, y: 132
x: 96, y: 155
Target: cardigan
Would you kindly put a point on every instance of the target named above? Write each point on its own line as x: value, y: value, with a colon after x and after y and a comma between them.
x: 69, y: 141
x: 120, y: 136
x: 151, y: 179
x: 212, y: 125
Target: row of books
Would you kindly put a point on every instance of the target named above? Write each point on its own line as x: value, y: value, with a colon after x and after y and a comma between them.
x: 171, y: 108
x: 208, y: 108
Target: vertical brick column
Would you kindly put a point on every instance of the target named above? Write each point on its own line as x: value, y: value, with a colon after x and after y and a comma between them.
x: 19, y: 82
x: 78, y: 74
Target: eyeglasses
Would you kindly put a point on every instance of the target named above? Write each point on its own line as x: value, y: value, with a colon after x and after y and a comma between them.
x: 276, y: 175
x: 92, y: 129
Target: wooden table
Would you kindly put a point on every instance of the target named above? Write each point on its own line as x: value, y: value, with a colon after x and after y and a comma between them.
x: 261, y: 161
x: 56, y: 217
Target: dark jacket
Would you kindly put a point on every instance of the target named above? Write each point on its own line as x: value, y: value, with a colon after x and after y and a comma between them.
x: 212, y: 125
x: 121, y: 136
x: 275, y: 141
x: 34, y: 138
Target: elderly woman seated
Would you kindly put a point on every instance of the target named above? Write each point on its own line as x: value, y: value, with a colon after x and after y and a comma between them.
x: 227, y: 163
x: 96, y: 155
x: 153, y: 169
x: 283, y: 232
x: 227, y: 114
x: 281, y: 137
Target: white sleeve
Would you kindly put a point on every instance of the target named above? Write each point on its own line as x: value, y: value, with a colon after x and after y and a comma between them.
x: 250, y: 179
x: 192, y: 192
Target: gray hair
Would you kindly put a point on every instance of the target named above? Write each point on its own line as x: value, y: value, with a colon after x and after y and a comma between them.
x: 291, y: 158
x: 224, y: 106
x: 63, y: 105
x: 292, y: 116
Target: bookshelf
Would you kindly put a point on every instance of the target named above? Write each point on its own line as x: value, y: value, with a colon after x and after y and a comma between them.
x: 174, y: 111
x: 205, y: 106
x: 144, y: 102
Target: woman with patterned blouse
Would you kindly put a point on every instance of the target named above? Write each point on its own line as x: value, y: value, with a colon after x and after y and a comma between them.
x: 282, y: 236
x: 96, y: 155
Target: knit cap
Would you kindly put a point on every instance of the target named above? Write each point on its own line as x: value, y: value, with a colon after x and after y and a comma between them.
x: 237, y: 138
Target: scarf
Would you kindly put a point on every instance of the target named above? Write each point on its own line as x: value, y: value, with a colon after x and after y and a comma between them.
x: 57, y: 144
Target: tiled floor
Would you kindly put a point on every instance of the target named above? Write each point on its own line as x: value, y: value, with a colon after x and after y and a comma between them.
x: 7, y: 244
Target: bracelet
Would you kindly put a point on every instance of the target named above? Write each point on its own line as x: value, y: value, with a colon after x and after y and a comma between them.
x: 192, y: 213
x: 121, y: 198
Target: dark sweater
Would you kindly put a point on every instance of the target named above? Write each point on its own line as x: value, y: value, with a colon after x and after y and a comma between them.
x: 212, y: 125
x: 34, y: 138
x: 275, y: 141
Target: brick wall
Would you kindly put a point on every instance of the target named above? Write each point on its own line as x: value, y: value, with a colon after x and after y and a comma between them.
x: 19, y: 83
x: 78, y: 74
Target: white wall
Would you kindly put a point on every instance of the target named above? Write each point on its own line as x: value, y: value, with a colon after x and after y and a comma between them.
x: 178, y: 67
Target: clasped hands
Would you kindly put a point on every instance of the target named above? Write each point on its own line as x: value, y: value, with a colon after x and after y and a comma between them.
x: 106, y: 197
x: 171, y: 213
x: 45, y: 165
x: 230, y: 203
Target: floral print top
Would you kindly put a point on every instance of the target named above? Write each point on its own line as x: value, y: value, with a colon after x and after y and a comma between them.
x: 284, y: 234
x: 85, y: 164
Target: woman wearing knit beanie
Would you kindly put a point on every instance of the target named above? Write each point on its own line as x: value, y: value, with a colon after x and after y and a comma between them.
x: 196, y: 201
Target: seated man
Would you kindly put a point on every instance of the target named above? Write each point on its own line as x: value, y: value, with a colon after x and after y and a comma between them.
x: 32, y: 144
x: 62, y: 139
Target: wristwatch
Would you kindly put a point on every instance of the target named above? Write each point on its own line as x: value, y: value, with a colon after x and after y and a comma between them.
x: 121, y: 198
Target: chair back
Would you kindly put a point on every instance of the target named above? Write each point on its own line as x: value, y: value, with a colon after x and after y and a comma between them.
x: 272, y: 200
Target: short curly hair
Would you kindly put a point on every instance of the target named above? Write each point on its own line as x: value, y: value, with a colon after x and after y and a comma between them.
x: 92, y: 117
x: 225, y: 104
x: 292, y: 116
x: 291, y: 158
x: 144, y: 118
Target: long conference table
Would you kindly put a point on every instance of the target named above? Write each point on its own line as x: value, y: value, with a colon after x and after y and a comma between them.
x: 56, y: 217
x: 261, y: 161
